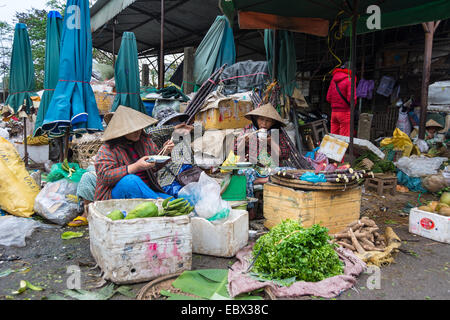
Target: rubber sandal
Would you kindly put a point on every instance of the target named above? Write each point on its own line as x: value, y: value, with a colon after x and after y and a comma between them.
x: 83, y: 222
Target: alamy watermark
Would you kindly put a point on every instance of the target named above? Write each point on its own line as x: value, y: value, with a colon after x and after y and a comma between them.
x: 374, y: 280
x: 374, y: 20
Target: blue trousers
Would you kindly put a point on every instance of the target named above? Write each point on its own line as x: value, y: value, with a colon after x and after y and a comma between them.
x: 132, y: 187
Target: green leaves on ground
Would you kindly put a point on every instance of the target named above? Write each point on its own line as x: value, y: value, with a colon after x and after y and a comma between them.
x: 70, y: 235
x: 289, y: 250
x: 104, y: 293
x: 24, y: 285
x: 208, y: 284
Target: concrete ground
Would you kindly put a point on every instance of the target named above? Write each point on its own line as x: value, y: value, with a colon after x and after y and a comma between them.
x: 420, y: 270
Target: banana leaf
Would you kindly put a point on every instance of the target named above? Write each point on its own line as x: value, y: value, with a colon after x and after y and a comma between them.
x: 208, y: 284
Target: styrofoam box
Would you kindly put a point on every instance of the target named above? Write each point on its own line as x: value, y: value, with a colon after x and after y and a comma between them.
x: 221, y: 239
x: 429, y: 225
x: 137, y: 250
x: 333, y: 148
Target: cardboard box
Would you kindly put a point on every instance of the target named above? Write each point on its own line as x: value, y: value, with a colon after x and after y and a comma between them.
x: 225, y: 114
x: 137, y: 250
x: 429, y: 225
x: 333, y: 148
x: 331, y: 209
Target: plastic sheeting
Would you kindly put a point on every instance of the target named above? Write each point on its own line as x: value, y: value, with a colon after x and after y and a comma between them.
x: 244, y: 76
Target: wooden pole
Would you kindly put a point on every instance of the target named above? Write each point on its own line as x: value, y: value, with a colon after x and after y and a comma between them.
x: 161, y: 51
x: 25, y: 144
x: 353, y: 77
x: 275, y: 58
x: 145, y: 75
x: 429, y: 28
x: 66, y: 144
x: 188, y: 70
x: 114, y: 42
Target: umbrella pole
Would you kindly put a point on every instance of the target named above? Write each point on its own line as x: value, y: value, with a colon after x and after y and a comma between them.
x: 66, y: 144
x: 25, y: 145
x: 353, y: 71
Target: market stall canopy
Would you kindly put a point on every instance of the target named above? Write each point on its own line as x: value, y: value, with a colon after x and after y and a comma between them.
x: 21, y: 78
x: 393, y: 13
x: 52, y: 50
x: 73, y: 103
x: 185, y: 25
x: 126, y: 75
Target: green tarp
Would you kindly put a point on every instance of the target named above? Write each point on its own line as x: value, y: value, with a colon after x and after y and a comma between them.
x: 21, y: 79
x: 52, y: 49
x: 216, y: 49
x: 126, y: 73
x: 287, y: 64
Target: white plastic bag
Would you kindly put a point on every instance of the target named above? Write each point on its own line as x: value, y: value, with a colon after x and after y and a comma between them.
x: 403, y: 122
x: 205, y: 196
x: 14, y: 230
x: 57, y: 202
x: 415, y: 166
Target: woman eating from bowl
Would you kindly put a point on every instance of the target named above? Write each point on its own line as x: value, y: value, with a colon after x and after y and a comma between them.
x: 259, y: 142
x: 123, y: 163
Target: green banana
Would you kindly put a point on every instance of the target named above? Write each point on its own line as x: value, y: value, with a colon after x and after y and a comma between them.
x: 177, y: 205
x: 177, y: 201
x: 166, y: 201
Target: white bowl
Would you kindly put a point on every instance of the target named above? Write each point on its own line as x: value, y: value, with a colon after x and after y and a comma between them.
x: 158, y: 159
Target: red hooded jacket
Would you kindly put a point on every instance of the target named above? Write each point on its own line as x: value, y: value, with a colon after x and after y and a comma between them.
x: 341, y: 77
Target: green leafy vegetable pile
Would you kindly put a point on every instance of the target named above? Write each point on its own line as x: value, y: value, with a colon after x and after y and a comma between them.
x: 289, y: 250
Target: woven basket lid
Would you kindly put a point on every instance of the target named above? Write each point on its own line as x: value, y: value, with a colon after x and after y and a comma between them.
x: 126, y: 120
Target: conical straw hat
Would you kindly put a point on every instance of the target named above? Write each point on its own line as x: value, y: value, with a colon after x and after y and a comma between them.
x: 126, y: 120
x: 433, y: 123
x: 268, y: 111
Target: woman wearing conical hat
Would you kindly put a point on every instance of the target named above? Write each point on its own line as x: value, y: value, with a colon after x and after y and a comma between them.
x: 265, y: 120
x: 258, y: 143
x: 123, y: 171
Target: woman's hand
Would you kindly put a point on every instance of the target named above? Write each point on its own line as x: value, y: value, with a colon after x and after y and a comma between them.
x: 140, y: 165
x: 183, y: 129
x: 168, y: 147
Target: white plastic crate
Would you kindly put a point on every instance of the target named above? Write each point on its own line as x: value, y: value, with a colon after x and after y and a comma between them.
x: 137, y: 250
x: 429, y: 225
x: 222, y: 239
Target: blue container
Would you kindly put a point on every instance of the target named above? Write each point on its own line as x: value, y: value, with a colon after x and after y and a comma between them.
x: 149, y: 105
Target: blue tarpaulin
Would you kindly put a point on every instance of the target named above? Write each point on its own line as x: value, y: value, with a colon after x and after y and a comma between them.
x: 73, y: 103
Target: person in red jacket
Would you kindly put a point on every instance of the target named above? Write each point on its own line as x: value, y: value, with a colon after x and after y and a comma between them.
x: 340, y: 101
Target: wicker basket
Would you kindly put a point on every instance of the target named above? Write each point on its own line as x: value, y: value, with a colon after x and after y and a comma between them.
x: 84, y: 152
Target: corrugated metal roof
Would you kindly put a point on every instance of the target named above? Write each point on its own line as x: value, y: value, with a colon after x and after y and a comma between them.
x: 185, y: 24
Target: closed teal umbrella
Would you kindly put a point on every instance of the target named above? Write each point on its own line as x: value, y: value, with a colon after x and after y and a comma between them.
x: 21, y: 78
x: 73, y: 106
x: 52, y: 49
x: 126, y: 75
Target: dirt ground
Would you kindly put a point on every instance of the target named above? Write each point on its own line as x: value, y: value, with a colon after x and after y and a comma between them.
x: 420, y: 270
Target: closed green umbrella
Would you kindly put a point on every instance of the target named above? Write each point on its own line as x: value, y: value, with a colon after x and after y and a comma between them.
x: 126, y: 75
x: 52, y: 49
x: 21, y: 78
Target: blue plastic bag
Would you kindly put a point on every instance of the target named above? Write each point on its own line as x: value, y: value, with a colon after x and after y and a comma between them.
x: 312, y: 177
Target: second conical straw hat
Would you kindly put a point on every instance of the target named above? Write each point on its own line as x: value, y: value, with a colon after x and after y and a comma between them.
x: 268, y: 111
x: 126, y: 120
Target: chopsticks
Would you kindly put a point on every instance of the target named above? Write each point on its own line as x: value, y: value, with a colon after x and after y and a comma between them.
x: 164, y: 148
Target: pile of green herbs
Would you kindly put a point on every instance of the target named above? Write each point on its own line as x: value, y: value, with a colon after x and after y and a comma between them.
x: 289, y: 253
x: 379, y: 165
